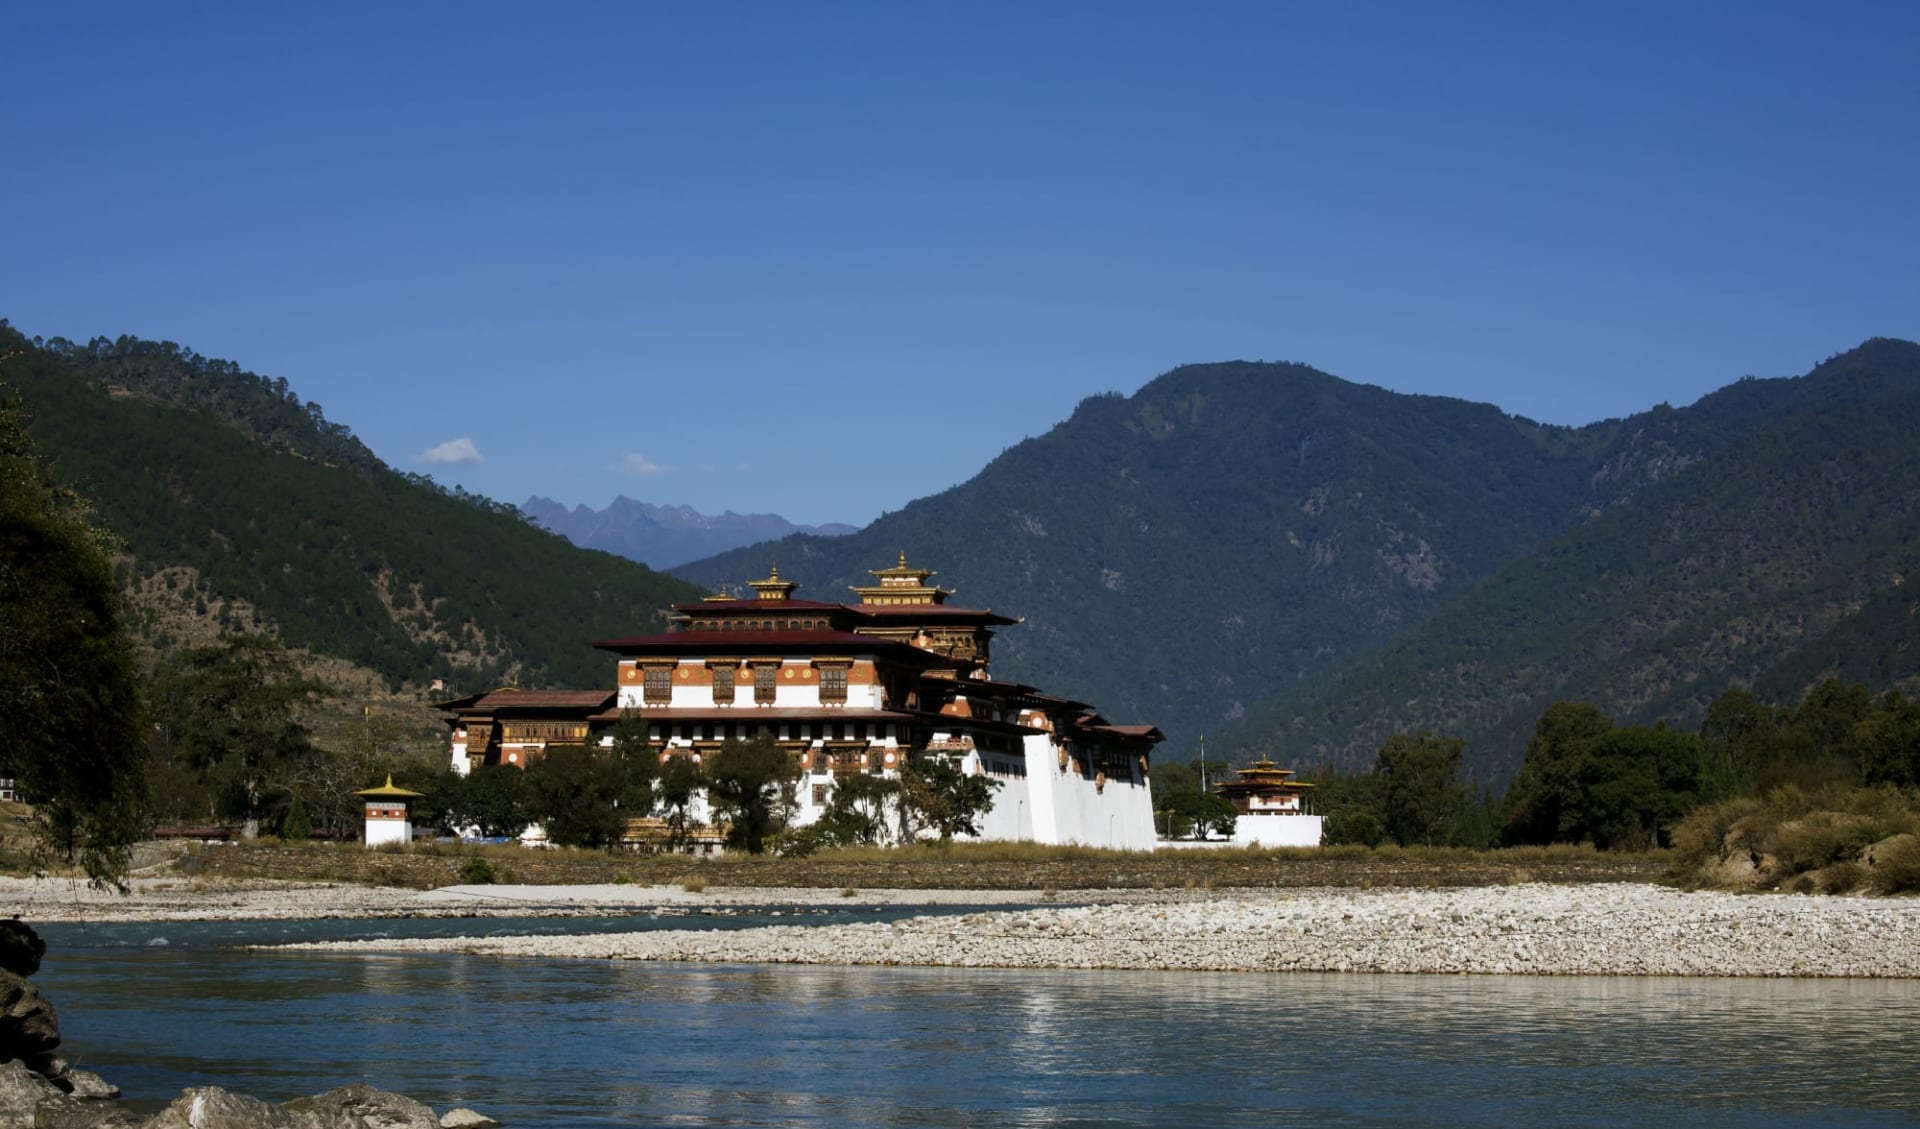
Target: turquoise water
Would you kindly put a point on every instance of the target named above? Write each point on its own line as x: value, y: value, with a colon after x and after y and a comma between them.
x: 563, y: 1043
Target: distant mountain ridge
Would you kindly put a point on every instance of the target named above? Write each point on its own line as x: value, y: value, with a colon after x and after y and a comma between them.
x: 1186, y: 553
x: 664, y: 536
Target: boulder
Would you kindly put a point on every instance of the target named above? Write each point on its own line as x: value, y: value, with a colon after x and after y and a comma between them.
x: 29, y: 1029
x: 20, y: 948
x: 210, y: 1107
x: 21, y: 1091
x: 466, y: 1119
x: 86, y: 1085
x: 360, y: 1106
x: 27, y: 1099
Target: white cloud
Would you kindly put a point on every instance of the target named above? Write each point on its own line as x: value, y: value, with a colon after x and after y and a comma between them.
x: 459, y: 450
x: 640, y: 466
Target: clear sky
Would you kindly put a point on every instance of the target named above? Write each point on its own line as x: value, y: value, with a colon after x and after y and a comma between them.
x: 821, y: 259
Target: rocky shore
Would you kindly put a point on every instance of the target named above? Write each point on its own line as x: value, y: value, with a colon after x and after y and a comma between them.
x: 1599, y: 930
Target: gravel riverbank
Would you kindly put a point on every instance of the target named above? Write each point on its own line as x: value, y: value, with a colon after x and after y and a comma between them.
x: 171, y: 899
x: 1618, y: 930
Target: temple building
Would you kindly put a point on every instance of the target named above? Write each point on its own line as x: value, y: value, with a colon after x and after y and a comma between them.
x: 847, y: 688
x: 1270, y: 807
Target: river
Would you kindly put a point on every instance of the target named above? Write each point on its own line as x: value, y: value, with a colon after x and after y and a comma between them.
x: 157, y: 1007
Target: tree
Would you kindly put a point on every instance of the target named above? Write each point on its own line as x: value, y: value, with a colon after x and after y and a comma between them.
x: 1200, y: 814
x: 1350, y: 804
x: 1543, y: 795
x: 679, y: 782
x: 936, y: 792
x: 580, y: 795
x: 70, y: 712
x: 1738, y: 737
x: 1887, y: 744
x: 857, y: 813
x: 491, y: 800
x: 748, y: 783
x: 1634, y: 784
x: 1421, y: 795
x: 227, y: 711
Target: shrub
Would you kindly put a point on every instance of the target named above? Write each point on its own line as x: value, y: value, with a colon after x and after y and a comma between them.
x: 1701, y: 838
x: 477, y: 872
x: 1352, y: 826
x: 1821, y: 839
x: 1842, y: 878
x: 1896, y: 865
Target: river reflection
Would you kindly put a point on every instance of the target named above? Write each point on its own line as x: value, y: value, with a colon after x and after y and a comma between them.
x: 600, y: 1043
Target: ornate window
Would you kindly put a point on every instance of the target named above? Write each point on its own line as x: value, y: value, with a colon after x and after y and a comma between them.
x: 833, y: 685
x: 657, y: 685
x: 764, y: 684
x: 722, y: 685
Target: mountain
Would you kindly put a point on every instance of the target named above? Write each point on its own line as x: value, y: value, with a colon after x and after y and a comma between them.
x: 1782, y: 559
x: 236, y: 501
x: 664, y: 536
x: 1188, y: 552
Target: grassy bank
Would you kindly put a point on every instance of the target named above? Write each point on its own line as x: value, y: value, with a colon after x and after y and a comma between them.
x: 976, y: 866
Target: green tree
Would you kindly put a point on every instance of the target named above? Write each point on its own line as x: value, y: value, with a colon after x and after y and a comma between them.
x: 679, y: 783
x: 1349, y: 802
x: 1541, y: 800
x: 294, y: 825
x: 70, y: 711
x: 1738, y: 736
x: 1887, y: 743
x: 748, y: 783
x: 857, y: 813
x: 1422, y: 797
x: 227, y: 710
x: 1634, y: 784
x: 583, y: 796
x: 491, y: 799
x: 574, y: 793
x: 937, y: 793
x: 1200, y: 814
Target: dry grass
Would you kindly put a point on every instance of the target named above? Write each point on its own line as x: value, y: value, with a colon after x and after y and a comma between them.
x: 955, y: 866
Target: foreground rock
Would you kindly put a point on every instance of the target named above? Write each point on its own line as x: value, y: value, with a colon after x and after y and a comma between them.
x: 28, y: 1100
x: 1610, y: 930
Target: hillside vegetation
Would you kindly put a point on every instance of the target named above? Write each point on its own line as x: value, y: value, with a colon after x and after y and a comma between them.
x: 1781, y: 560
x: 1184, y: 554
x: 236, y: 500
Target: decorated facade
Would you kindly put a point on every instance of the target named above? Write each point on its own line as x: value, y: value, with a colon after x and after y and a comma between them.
x: 1270, y: 807
x: 846, y: 688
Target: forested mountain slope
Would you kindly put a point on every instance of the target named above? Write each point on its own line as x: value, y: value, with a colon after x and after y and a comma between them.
x: 1783, y: 559
x: 1187, y: 552
x: 231, y: 494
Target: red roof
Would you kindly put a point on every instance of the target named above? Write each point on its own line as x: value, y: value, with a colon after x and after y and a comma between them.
x: 1138, y: 732
x: 776, y: 641
x: 494, y: 701
x: 759, y: 606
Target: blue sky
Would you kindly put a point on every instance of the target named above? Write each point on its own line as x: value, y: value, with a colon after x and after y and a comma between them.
x: 823, y: 259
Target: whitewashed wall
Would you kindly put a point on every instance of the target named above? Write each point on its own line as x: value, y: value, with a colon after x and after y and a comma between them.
x: 1276, y: 831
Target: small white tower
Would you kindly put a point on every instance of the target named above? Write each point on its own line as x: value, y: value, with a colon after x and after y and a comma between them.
x: 387, y: 818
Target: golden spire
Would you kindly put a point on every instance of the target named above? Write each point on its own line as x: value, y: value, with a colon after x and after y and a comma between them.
x: 773, y: 588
